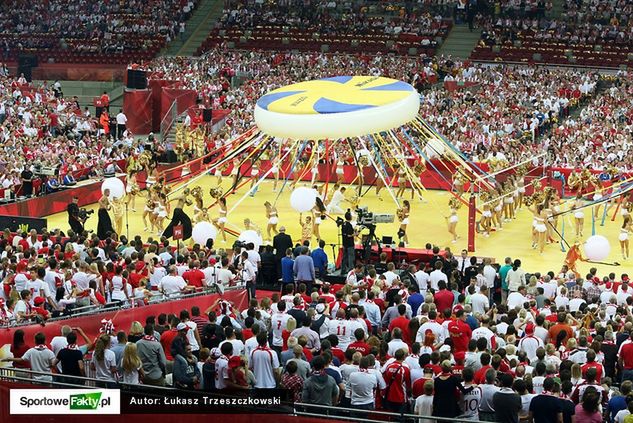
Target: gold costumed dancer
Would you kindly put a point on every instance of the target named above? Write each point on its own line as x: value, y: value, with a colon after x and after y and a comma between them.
x: 318, y: 215
x: 458, y: 183
x: 402, y: 181
x: 307, y: 228
x: 254, y: 178
x: 117, y: 211
x: 403, y: 215
x: 625, y: 231
x: 485, y: 223
x: 272, y: 217
x: 452, y: 219
x: 540, y: 217
x: 508, y: 201
x: 497, y: 215
x: 520, y: 190
x: 275, y: 170
x: 340, y: 171
x: 218, y: 174
x: 221, y: 220
x: 579, y: 214
x: 148, y: 210
x: 249, y: 225
x: 199, y: 211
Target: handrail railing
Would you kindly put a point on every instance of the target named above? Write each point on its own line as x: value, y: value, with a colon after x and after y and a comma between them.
x: 354, y: 414
x: 160, y: 298
x: 300, y: 409
x: 168, y: 120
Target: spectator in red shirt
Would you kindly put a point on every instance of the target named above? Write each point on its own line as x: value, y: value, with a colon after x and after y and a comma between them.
x: 418, y: 386
x: 138, y: 274
x: 360, y: 345
x: 625, y: 359
x: 398, y: 380
x: 460, y: 332
x: 403, y: 323
x: 167, y: 337
x: 443, y: 298
x: 480, y: 375
x: 592, y: 364
x: 194, y: 276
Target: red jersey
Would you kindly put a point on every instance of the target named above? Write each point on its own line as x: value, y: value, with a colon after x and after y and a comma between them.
x: 403, y: 323
x: 338, y: 353
x: 398, y: 379
x: 460, y: 333
x: 360, y: 346
x: 444, y: 300
x: 418, y: 387
x: 480, y: 375
x: 592, y: 365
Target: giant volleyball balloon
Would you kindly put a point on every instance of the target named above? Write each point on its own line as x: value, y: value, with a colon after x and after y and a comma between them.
x: 116, y: 187
x: 597, y: 248
x: 202, y: 231
x: 302, y: 199
x: 251, y: 236
x: 337, y: 107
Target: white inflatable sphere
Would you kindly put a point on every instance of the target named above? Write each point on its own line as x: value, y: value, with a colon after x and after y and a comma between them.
x: 116, y: 187
x: 202, y: 231
x: 303, y: 199
x: 251, y: 236
x: 597, y: 248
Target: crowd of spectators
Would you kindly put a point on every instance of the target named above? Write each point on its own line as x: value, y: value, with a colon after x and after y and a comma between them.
x: 503, y: 103
x: 589, y: 33
x: 326, y: 18
x: 104, y: 29
x: 598, y: 137
x: 40, y: 128
x: 454, y: 336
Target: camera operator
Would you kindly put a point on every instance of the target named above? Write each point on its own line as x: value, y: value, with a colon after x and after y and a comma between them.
x: 74, y: 220
x: 349, y: 253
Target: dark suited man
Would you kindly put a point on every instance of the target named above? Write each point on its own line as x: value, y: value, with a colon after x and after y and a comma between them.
x: 281, y: 242
x: 76, y: 224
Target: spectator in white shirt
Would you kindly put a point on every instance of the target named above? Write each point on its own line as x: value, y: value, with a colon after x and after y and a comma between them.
x: 264, y: 363
x: 172, y: 284
x: 436, y: 276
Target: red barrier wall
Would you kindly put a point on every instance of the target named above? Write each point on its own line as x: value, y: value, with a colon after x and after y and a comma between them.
x: 156, y: 86
x: 184, y: 99
x: 123, y: 318
x: 55, y: 202
x: 138, y: 107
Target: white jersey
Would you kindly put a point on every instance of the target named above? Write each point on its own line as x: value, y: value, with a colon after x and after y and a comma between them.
x: 264, y: 363
x: 278, y: 323
x: 341, y: 328
x: 469, y: 403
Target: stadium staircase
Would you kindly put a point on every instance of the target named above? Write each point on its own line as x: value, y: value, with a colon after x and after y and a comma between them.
x: 196, y: 30
x: 460, y: 42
